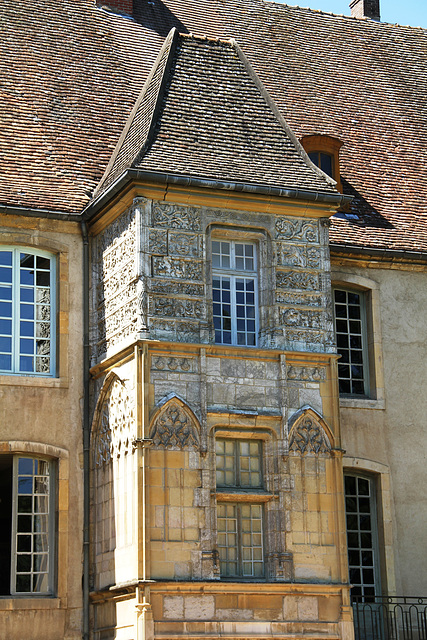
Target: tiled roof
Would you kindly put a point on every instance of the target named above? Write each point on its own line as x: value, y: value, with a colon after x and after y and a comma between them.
x: 211, y: 120
x: 78, y: 70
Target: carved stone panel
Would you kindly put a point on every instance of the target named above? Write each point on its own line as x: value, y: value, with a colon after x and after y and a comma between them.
x: 289, y: 255
x: 183, y: 288
x: 309, y: 374
x: 174, y: 427
x: 297, y: 280
x: 308, y: 436
x: 177, y: 308
x: 297, y: 230
x: 184, y: 244
x: 171, y: 216
x: 158, y: 242
x: 180, y: 365
x: 177, y: 268
x: 306, y: 299
x: 305, y: 318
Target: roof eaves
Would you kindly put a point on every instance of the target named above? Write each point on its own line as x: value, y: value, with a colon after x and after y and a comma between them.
x: 326, y: 197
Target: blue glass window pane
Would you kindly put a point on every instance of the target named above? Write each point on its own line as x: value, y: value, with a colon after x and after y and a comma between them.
x: 26, y: 346
x: 250, y: 298
x: 6, y: 258
x: 251, y: 312
x: 6, y: 344
x: 217, y: 309
x: 241, y: 339
x: 27, y: 277
x: 250, y: 285
x: 27, y: 312
x: 226, y: 337
x: 27, y: 329
x: 6, y: 293
x: 5, y: 274
x: 5, y: 362
x: 6, y: 327
x: 226, y: 296
x: 26, y: 363
x: 216, y: 295
x: 6, y: 309
x: 27, y: 295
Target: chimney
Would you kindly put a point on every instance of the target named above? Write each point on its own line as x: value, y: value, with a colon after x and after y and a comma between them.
x: 365, y: 9
x: 117, y: 6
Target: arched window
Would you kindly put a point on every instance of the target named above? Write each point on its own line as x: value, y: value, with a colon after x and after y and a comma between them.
x: 27, y: 312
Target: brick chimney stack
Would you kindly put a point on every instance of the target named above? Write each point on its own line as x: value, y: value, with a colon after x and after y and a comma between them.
x: 119, y: 6
x: 365, y: 9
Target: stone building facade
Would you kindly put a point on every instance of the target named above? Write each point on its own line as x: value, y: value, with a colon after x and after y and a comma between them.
x: 170, y: 402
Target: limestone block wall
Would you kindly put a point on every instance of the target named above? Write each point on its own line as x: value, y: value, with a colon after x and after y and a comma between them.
x: 41, y: 417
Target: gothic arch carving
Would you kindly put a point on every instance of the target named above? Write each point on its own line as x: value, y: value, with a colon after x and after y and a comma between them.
x: 113, y: 423
x: 309, y: 433
x: 174, y: 425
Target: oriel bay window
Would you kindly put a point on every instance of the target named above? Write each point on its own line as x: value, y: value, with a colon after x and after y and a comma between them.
x: 27, y: 312
x: 234, y: 292
x: 240, y: 509
x: 27, y: 492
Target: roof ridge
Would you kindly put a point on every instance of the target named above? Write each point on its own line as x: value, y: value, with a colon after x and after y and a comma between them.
x: 363, y: 20
x: 169, y: 43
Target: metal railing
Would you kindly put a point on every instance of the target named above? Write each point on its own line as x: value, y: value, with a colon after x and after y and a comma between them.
x: 390, y: 618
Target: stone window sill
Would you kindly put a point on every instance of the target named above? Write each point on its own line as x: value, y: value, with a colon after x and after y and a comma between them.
x: 33, y: 381
x: 13, y: 603
x: 362, y: 403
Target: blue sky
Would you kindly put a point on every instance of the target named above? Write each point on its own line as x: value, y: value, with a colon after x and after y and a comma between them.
x: 412, y: 12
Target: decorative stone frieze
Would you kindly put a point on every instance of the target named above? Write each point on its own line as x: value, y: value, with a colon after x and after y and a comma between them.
x: 174, y: 427
x: 304, y: 299
x: 177, y: 268
x: 309, y: 374
x: 307, y: 336
x: 308, y: 436
x: 177, y: 308
x: 179, y: 288
x: 297, y: 280
x: 296, y: 230
x: 176, y: 217
x: 166, y: 363
x: 303, y: 318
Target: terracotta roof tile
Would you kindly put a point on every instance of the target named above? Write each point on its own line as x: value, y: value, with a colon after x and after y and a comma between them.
x: 78, y: 70
x: 211, y: 120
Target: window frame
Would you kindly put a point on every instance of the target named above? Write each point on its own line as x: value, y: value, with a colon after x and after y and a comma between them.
x: 364, y: 340
x: 234, y: 274
x: 15, y: 319
x: 238, y: 495
x: 51, y: 522
x: 375, y: 546
x: 328, y: 145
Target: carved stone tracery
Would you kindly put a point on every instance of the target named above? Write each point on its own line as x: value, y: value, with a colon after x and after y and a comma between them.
x: 308, y: 436
x: 174, y: 427
x: 115, y: 431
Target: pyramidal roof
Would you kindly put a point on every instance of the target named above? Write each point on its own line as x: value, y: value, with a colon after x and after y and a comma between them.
x: 203, y: 113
